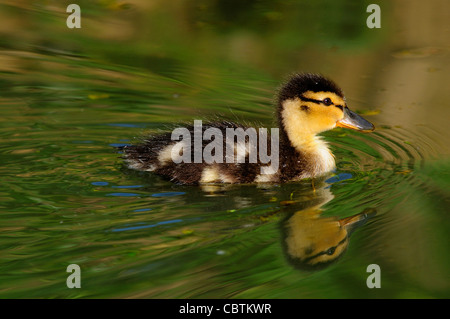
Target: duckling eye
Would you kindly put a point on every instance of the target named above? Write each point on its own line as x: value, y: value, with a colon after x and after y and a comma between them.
x: 330, y: 251
x: 327, y: 101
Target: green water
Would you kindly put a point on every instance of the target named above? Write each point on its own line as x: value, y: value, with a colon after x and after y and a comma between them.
x: 68, y: 97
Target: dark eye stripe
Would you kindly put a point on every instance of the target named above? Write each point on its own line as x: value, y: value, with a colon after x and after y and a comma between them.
x: 321, y: 102
x: 310, y: 100
x: 326, y: 251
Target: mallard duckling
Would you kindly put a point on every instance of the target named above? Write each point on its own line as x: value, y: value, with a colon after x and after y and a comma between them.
x: 308, y: 104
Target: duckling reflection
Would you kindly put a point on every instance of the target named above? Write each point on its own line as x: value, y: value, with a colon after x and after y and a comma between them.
x: 313, y: 242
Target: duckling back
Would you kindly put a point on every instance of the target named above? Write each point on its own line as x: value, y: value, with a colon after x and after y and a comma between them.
x: 164, y: 156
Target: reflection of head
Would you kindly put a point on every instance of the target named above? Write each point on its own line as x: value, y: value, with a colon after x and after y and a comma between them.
x: 313, y: 242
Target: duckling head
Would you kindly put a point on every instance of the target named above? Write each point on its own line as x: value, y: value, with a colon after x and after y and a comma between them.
x: 309, y: 104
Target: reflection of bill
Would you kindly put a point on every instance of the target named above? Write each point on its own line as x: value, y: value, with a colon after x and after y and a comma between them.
x: 313, y: 241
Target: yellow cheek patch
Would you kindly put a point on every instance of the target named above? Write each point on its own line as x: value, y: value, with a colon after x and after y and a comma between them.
x: 324, y: 117
x: 313, y: 120
x: 324, y: 120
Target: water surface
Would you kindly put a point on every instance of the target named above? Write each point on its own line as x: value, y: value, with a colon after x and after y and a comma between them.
x: 69, y: 98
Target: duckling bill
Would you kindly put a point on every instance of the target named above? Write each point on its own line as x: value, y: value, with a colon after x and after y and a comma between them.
x: 308, y: 104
